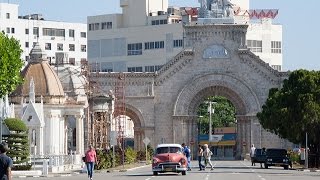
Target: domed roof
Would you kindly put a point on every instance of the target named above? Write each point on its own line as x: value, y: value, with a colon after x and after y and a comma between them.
x: 46, y: 81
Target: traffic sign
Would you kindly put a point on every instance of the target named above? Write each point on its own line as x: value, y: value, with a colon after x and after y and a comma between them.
x: 146, y: 141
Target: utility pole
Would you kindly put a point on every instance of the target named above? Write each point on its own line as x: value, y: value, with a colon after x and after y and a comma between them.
x: 306, y: 160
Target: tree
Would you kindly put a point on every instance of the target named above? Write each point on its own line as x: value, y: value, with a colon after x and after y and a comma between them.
x: 17, y: 140
x: 223, y: 116
x: 294, y: 109
x: 10, y: 64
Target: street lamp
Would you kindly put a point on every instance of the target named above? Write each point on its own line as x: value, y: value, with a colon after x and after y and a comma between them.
x: 210, y: 111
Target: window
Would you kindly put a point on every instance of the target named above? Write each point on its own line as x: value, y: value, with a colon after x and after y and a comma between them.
x: 157, y: 68
x: 134, y: 69
x: 159, y: 22
x: 8, y: 15
x: 71, y: 47
x: 103, y: 25
x: 276, y: 67
x: 254, y: 45
x: 72, y: 61
x: 27, y: 58
x: 276, y: 47
x: 12, y: 30
x: 177, y: 43
x: 134, y: 49
x: 36, y: 31
x: 26, y: 44
x: 83, y: 48
x: 71, y: 32
x: 60, y: 47
x: 47, y: 46
x: 27, y: 31
x: 106, y: 25
x: 90, y: 27
x: 109, y: 25
x: 154, y: 45
x: 83, y: 34
x: 53, y: 32
x: 96, y: 26
x: 8, y: 30
x: 149, y: 68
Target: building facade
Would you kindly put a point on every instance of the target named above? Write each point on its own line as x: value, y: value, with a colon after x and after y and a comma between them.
x: 147, y: 34
x: 63, y: 42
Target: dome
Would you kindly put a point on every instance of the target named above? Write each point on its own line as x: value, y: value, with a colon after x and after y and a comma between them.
x: 47, y: 85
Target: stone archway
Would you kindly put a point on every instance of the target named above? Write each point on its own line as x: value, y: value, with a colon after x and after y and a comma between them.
x: 138, y: 122
x: 236, y: 90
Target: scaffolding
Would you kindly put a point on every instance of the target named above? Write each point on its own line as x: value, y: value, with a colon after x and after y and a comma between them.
x: 120, y: 108
x: 98, y: 126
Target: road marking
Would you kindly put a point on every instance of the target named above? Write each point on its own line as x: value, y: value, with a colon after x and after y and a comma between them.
x: 207, y: 177
x: 148, y: 178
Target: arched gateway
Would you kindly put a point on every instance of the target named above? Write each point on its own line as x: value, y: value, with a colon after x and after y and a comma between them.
x: 163, y: 105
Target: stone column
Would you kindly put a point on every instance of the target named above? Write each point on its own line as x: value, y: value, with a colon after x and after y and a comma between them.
x: 40, y: 142
x: 79, y: 137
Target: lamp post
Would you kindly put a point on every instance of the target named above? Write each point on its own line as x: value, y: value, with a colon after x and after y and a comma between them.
x: 210, y: 111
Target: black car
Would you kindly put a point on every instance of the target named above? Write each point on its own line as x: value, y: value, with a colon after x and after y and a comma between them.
x: 277, y: 157
x: 259, y: 156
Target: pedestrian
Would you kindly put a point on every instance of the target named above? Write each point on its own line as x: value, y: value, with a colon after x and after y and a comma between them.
x: 5, y: 163
x: 207, y: 156
x: 252, y: 151
x: 91, y: 159
x: 187, y: 153
x: 263, y: 153
x: 200, y: 156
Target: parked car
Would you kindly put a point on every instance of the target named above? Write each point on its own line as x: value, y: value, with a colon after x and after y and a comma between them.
x: 259, y: 156
x: 169, y: 158
x: 277, y: 157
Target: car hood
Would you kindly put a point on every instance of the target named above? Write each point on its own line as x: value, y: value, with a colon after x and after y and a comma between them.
x: 169, y: 157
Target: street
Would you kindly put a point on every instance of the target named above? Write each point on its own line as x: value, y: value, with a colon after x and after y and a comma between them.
x: 224, y: 170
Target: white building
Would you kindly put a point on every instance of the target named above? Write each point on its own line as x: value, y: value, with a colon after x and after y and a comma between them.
x: 149, y: 33
x: 54, y: 118
x: 59, y: 40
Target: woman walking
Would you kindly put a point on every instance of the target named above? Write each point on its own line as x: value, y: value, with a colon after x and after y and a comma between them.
x: 91, y: 159
x: 200, y: 156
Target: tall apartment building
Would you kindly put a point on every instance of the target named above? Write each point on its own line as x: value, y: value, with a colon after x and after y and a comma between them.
x: 148, y: 33
x: 63, y: 42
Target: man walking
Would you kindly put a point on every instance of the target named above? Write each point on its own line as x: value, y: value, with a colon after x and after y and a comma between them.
x: 252, y: 151
x: 187, y: 153
x: 5, y: 163
x: 207, y: 156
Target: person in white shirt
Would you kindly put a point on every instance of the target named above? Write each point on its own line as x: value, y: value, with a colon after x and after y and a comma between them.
x: 252, y: 150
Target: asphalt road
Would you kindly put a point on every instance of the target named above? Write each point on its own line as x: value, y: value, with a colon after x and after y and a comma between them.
x: 224, y: 170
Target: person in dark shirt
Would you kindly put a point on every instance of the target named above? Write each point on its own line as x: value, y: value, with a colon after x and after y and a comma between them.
x: 5, y: 163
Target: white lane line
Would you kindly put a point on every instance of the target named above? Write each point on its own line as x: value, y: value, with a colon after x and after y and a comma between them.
x: 207, y: 177
x: 148, y: 178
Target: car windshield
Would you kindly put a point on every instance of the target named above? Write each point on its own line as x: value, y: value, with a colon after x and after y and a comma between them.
x: 277, y: 152
x: 162, y: 150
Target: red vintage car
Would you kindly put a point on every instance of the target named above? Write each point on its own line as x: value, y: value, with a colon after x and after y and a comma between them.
x: 169, y: 158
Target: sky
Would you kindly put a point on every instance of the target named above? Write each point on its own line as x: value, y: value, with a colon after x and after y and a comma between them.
x: 299, y: 21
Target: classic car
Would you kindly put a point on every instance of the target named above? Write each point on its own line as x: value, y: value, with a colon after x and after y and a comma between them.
x: 169, y: 158
x: 277, y: 157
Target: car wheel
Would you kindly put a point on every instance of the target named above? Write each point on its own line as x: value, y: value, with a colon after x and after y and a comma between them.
x: 286, y: 167
x: 155, y: 173
x: 184, y: 173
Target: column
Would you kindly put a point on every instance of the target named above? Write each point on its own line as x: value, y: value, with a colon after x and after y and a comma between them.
x: 40, y: 143
x: 79, y: 138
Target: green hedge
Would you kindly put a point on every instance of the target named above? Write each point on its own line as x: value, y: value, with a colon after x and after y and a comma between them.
x: 18, y: 142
